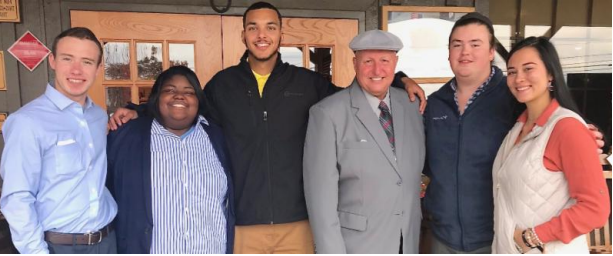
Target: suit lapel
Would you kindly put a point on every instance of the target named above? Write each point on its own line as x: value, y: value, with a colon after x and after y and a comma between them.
x: 370, y: 121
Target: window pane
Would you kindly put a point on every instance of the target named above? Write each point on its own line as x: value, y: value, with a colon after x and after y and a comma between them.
x: 584, y: 49
x: 143, y: 94
x: 533, y: 30
x: 116, y: 97
x: 425, y: 36
x: 181, y: 55
x: 598, y: 109
x: 504, y: 34
x: 292, y: 55
x: 117, y: 61
x: 430, y: 88
x: 149, y: 60
x: 321, y: 61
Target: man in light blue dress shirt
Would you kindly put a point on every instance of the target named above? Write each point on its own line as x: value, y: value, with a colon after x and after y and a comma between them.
x: 54, y: 161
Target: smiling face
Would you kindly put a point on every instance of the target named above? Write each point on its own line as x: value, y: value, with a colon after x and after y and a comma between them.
x: 470, y: 53
x: 528, y: 77
x: 374, y: 70
x: 178, y: 104
x: 262, y: 34
x: 75, y: 63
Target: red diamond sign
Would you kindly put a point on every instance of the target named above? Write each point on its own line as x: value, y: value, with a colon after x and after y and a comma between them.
x: 29, y: 51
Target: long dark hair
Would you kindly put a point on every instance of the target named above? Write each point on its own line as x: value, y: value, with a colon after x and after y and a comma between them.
x: 549, y: 56
x: 153, y: 105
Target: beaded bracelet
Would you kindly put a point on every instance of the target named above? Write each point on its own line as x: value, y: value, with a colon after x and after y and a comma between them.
x: 525, y: 239
x: 534, y: 237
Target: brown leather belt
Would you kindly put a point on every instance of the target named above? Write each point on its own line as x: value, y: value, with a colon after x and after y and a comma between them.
x: 87, y: 239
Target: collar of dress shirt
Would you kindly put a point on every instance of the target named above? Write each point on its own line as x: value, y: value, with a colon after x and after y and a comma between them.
x: 374, y: 101
x: 160, y: 130
x: 60, y: 100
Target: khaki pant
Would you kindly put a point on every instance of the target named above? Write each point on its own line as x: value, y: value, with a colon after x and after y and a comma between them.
x: 295, y: 237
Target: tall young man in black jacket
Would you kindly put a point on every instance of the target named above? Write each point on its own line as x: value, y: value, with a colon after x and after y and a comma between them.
x: 262, y: 105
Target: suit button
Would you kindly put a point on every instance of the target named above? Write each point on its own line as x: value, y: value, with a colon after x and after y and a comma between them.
x: 399, y: 182
x: 146, y: 231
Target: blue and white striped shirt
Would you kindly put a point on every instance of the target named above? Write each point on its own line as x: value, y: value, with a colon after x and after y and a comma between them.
x: 188, y: 192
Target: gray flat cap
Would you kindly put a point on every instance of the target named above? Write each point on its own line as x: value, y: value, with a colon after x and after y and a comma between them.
x: 376, y: 40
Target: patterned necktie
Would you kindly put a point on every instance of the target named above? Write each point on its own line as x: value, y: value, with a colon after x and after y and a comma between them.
x: 385, y: 118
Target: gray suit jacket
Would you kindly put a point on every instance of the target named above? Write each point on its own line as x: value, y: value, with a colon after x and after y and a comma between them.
x: 360, y: 196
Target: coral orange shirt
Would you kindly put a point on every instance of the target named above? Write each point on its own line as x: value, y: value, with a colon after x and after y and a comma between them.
x: 572, y: 149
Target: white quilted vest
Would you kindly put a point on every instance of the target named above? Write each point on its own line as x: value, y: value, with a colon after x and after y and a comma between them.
x: 526, y: 194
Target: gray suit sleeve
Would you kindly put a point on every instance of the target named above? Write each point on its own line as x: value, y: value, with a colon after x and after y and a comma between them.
x: 321, y: 178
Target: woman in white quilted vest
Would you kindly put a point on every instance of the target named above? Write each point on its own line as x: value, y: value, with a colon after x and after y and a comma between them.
x: 549, y: 190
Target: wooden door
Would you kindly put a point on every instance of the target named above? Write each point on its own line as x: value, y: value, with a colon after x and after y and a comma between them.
x: 305, y: 39
x: 138, y: 46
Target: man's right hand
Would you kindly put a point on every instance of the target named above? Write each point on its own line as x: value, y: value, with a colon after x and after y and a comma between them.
x: 121, y: 116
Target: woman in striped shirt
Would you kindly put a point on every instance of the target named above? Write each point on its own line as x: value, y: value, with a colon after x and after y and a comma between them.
x: 169, y: 173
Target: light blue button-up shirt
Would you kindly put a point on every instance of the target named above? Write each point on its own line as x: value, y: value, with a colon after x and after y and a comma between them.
x: 54, y: 170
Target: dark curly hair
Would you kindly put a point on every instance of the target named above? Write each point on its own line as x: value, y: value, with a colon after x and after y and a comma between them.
x: 153, y: 106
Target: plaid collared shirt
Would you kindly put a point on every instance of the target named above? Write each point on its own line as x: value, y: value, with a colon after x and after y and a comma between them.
x: 475, y: 94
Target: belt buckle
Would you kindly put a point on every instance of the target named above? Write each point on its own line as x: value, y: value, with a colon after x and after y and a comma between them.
x: 89, y: 237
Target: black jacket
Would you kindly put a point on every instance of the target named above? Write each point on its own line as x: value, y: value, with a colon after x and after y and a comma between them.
x: 265, y: 137
x: 129, y: 181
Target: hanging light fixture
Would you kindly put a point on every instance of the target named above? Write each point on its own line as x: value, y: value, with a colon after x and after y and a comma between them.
x: 225, y: 9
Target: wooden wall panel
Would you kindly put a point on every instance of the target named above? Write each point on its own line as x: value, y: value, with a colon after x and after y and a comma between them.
x: 345, y: 32
x: 536, y: 13
x: 572, y: 13
x: 233, y: 46
x: 503, y: 11
x: 601, y: 13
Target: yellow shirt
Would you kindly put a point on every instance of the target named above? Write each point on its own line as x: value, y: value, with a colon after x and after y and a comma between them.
x: 261, y: 81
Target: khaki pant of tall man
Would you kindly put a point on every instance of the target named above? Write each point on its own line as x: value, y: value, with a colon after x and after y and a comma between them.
x: 294, y: 237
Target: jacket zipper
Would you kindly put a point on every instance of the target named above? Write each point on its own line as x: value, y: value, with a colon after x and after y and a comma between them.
x: 458, y: 179
x: 460, y: 115
x: 266, y: 137
x: 272, y: 214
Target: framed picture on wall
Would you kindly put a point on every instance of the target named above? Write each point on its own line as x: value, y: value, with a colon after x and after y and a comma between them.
x: 2, y: 73
x: 2, y: 119
x: 424, y: 31
x: 9, y: 11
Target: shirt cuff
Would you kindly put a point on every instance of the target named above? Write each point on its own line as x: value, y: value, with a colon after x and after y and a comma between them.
x: 543, y: 233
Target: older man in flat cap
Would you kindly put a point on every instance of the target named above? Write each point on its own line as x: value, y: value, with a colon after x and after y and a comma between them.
x: 363, y: 156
